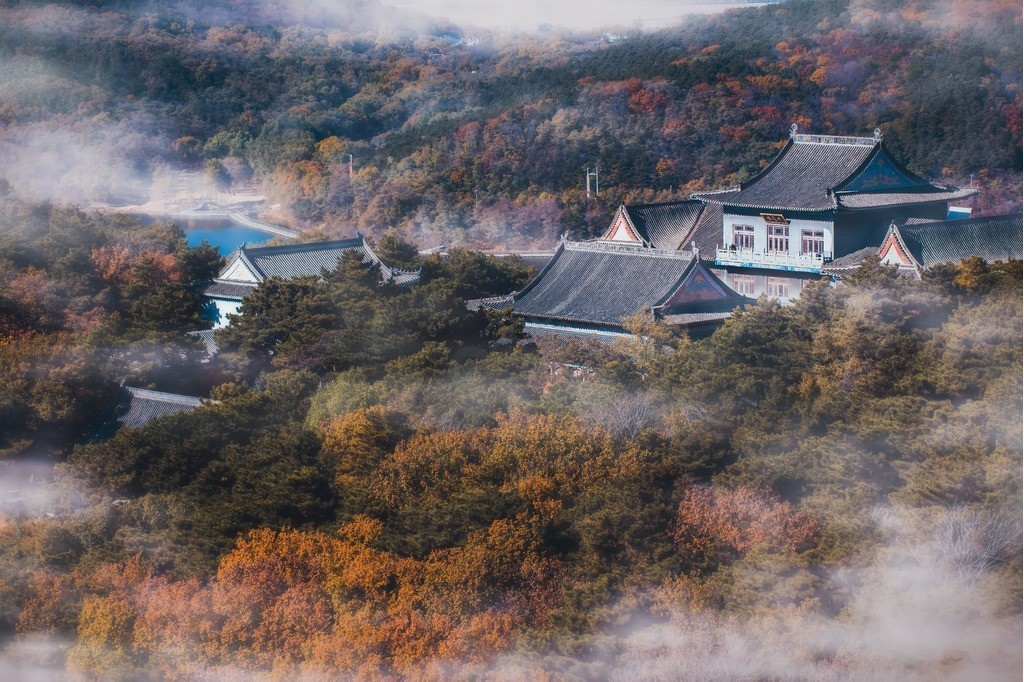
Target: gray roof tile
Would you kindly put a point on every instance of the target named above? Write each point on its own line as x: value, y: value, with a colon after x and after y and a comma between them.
x: 821, y: 173
x: 600, y: 283
x: 850, y: 261
x: 707, y: 233
x: 300, y: 260
x: 146, y: 405
x: 207, y: 337
x: 886, y: 199
x: 950, y: 241
x: 235, y: 291
x: 665, y: 225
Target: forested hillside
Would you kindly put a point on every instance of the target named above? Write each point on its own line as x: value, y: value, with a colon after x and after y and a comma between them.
x: 483, y: 139
x: 390, y: 486
x: 383, y: 483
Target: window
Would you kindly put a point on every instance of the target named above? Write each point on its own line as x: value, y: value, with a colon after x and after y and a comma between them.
x: 778, y: 238
x: 813, y: 242
x: 777, y: 287
x: 743, y: 284
x: 743, y: 237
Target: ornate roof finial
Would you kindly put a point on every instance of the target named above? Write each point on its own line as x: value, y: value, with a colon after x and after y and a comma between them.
x: 793, y: 130
x: 696, y: 250
x: 878, y: 134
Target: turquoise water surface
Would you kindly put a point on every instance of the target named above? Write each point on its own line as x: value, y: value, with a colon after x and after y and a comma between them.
x: 220, y: 232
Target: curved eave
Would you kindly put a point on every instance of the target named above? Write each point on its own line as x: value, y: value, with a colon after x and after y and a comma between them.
x: 940, y: 197
x: 571, y: 320
x: 804, y: 209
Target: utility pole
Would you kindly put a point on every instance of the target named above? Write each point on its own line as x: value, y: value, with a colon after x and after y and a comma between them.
x: 594, y: 173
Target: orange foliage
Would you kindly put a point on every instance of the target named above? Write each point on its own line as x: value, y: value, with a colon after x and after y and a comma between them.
x: 124, y: 264
x: 742, y: 519
x: 648, y: 101
x: 48, y: 607
x: 308, y: 603
x: 355, y: 442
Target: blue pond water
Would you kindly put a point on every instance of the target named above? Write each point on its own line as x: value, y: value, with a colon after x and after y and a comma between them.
x: 219, y: 232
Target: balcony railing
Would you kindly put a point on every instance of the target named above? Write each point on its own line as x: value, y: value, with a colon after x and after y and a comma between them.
x: 804, y: 262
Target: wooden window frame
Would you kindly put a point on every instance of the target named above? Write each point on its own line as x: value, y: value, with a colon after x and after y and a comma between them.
x: 812, y: 237
x: 743, y: 233
x: 778, y: 235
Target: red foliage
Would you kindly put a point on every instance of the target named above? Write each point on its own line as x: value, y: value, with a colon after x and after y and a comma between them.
x: 124, y: 264
x: 743, y: 518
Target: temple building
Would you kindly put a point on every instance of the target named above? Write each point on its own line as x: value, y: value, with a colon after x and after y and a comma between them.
x: 678, y: 225
x: 249, y: 266
x: 591, y: 287
x: 821, y: 198
x: 143, y: 406
x: 917, y: 244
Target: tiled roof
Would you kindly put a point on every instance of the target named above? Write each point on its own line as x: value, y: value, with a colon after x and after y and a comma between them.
x: 850, y: 261
x: 494, y: 303
x: 665, y: 225
x: 145, y: 406
x: 300, y: 260
x: 235, y: 291
x: 707, y: 233
x: 540, y: 330
x: 949, y: 241
x: 822, y: 173
x: 601, y: 283
x: 695, y: 318
x: 884, y: 199
x: 206, y: 336
x: 799, y: 177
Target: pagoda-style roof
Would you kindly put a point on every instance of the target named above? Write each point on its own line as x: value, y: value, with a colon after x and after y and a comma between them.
x: 825, y: 172
x: 298, y: 260
x: 250, y: 265
x: 668, y: 226
x: 233, y: 291
x: 995, y: 238
x: 144, y: 406
x: 599, y: 283
x: 920, y: 243
x: 207, y: 336
x: 849, y: 262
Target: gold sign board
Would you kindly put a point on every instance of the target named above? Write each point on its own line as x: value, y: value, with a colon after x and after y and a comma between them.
x: 774, y: 219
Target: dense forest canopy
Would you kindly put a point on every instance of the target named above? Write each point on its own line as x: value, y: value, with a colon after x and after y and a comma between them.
x: 481, y: 138
x: 384, y: 484
x: 387, y: 485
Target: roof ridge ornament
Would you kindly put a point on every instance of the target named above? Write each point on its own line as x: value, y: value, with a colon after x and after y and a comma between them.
x: 793, y: 129
x: 836, y: 140
x: 878, y: 134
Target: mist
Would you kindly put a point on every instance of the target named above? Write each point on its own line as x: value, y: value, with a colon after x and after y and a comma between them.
x: 575, y: 15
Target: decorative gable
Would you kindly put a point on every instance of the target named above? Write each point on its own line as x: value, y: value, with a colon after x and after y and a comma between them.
x: 893, y: 253
x: 698, y: 286
x: 621, y: 230
x: 881, y: 172
x: 238, y: 271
